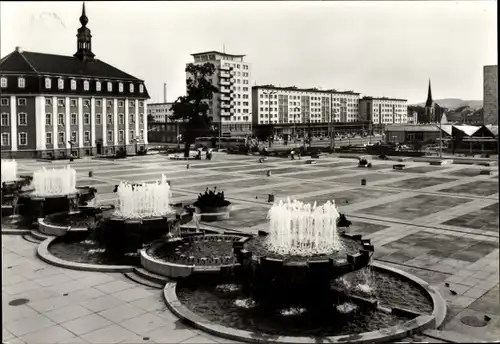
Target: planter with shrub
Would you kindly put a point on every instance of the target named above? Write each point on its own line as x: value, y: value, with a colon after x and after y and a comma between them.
x: 212, y: 206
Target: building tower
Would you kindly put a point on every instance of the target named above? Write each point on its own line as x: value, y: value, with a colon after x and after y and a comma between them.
x: 430, y: 115
x: 84, y: 40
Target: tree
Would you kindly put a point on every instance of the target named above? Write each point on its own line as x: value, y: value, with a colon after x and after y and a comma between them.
x: 192, y: 108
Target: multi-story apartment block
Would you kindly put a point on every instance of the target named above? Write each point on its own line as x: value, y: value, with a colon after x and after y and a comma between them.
x: 160, y: 112
x: 230, y: 107
x: 281, y: 105
x: 383, y: 110
x: 490, y: 95
x: 54, y: 105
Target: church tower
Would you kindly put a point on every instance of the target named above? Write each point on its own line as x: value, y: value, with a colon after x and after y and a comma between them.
x: 84, y: 40
x: 430, y: 114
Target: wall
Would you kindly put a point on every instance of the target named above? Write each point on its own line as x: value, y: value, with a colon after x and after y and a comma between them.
x: 490, y: 94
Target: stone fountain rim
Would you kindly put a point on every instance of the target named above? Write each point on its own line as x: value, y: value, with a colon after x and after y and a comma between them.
x: 174, y: 270
x: 392, y: 333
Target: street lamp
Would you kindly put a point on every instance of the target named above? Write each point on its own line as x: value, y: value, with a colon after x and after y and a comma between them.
x: 295, y: 124
x: 269, y: 94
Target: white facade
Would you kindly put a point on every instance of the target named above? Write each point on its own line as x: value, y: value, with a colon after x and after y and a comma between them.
x: 280, y: 105
x: 384, y: 110
x: 160, y: 112
x: 231, y: 107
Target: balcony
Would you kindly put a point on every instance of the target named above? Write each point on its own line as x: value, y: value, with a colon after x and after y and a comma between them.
x: 225, y: 98
x: 224, y: 75
x: 224, y: 83
x: 225, y: 68
x: 225, y: 106
x: 225, y: 90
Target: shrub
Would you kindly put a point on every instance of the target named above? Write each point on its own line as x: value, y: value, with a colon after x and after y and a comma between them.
x: 211, y: 198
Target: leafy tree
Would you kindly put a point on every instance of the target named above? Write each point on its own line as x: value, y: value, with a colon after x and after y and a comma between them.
x: 192, y: 108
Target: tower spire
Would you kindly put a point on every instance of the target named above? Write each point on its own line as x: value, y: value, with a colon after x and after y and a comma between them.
x: 429, y: 95
x: 84, y: 39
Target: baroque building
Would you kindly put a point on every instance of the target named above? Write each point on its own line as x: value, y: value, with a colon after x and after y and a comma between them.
x: 53, y: 105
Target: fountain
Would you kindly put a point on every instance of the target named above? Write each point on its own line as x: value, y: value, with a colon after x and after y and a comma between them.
x: 9, y: 170
x: 305, y: 280
x: 50, y: 191
x: 11, y: 186
x: 113, y: 235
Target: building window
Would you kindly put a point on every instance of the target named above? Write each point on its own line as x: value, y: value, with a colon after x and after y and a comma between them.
x: 110, y: 135
x: 48, y: 101
x: 48, y: 119
x: 60, y: 84
x: 110, y: 103
x: 60, y: 137
x: 23, y: 139
x: 73, y: 119
x: 141, y: 103
x: 86, y: 103
x: 5, y: 102
x: 121, y: 103
x: 74, y: 102
x: 98, y: 118
x: 48, y: 138
x: 131, y: 118
x: 98, y: 103
x: 86, y: 118
x: 73, y: 136
x: 120, y: 87
x: 86, y: 85
x: 131, y: 134
x: 5, y: 139
x: 121, y: 136
x: 141, y: 88
x: 60, y: 102
x: 48, y: 83
x: 110, y: 119
x: 5, y: 119
x: 73, y: 85
x: 22, y: 118
x: 141, y: 134
x: 21, y: 101
x: 131, y: 103
x: 120, y: 118
x: 86, y: 136
x: 98, y: 86
x: 110, y: 87
x: 21, y: 82
x: 60, y: 119
x: 141, y: 118
x: 3, y: 82
x: 131, y: 88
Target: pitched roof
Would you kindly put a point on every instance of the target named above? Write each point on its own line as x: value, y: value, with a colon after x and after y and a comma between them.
x: 39, y: 63
x: 493, y: 129
x: 468, y: 130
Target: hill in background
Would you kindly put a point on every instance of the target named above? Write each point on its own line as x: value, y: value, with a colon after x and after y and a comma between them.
x: 455, y: 103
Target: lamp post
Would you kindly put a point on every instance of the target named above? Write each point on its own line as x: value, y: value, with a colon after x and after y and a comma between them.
x: 269, y: 94
x: 295, y: 124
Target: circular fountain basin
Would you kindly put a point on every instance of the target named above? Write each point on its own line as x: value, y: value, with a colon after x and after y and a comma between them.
x: 217, y: 305
x: 58, y: 224
x: 123, y: 235
x: 180, y: 257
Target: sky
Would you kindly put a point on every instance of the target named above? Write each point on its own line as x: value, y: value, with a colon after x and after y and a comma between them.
x: 388, y: 48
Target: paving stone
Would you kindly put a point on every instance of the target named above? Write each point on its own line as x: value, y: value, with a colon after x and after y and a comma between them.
x: 52, y: 334
x: 123, y: 312
x: 133, y: 294
x: 67, y: 313
x: 143, y: 324
x: 86, y: 324
x: 28, y: 324
x: 110, y: 334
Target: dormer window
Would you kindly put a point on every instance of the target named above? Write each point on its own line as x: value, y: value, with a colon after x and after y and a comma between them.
x: 3, y: 82
x: 73, y: 85
x: 98, y: 86
x: 60, y: 84
x: 120, y: 87
x: 86, y: 85
x: 131, y: 88
x: 141, y: 88
x: 110, y: 87
x: 21, y: 82
x: 48, y: 83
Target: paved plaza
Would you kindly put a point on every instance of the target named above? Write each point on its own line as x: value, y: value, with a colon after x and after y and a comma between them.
x: 439, y: 223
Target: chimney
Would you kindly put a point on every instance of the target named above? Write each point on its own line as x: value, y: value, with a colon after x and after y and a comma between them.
x: 165, y: 92
x: 19, y: 49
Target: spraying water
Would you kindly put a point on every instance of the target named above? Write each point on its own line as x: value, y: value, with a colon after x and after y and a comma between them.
x: 9, y: 170
x: 300, y: 229
x: 50, y: 182
x: 143, y: 200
